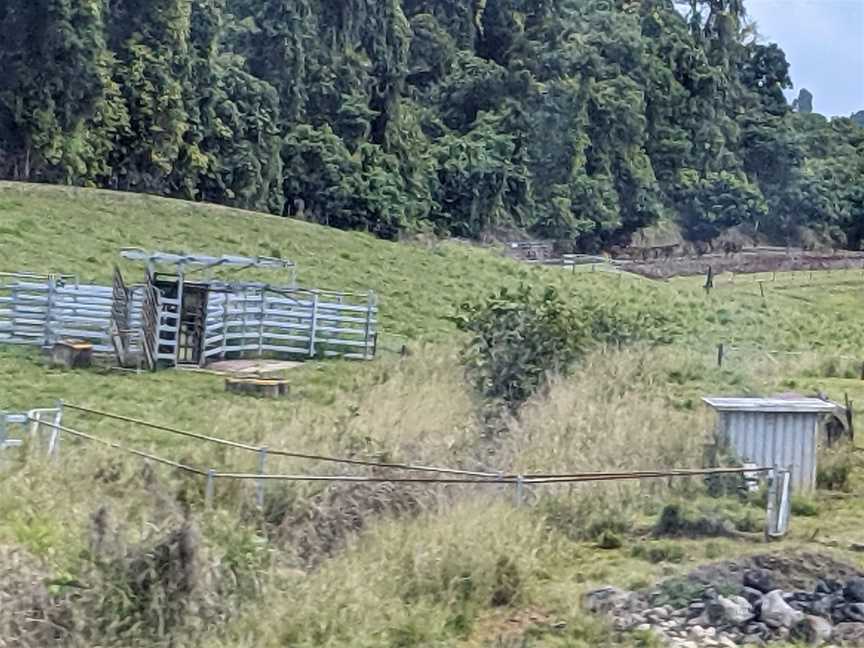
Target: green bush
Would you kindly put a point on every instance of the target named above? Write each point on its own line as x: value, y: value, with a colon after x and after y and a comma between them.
x: 803, y: 506
x: 835, y: 468
x: 708, y: 518
x: 518, y: 336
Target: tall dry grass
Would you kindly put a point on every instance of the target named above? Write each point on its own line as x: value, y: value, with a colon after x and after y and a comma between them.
x: 378, y: 565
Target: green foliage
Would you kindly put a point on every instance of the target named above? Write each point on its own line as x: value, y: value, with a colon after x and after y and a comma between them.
x: 579, y: 120
x: 708, y: 518
x: 517, y: 337
x: 804, y: 506
x: 834, y: 468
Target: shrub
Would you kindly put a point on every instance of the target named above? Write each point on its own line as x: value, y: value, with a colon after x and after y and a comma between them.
x: 517, y: 337
x: 835, y: 468
x: 707, y: 518
x: 803, y: 506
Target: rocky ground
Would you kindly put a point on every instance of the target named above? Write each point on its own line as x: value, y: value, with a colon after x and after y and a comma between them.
x: 806, y: 598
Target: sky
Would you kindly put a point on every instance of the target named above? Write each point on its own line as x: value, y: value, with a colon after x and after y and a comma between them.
x: 824, y: 44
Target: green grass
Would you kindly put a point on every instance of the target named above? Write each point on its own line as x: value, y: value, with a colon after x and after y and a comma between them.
x: 330, y: 566
x: 80, y: 232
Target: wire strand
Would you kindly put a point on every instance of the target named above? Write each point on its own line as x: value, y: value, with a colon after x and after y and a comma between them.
x: 286, y: 453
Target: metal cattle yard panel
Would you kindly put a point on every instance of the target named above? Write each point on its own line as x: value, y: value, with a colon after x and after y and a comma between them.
x: 774, y: 432
x: 154, y: 320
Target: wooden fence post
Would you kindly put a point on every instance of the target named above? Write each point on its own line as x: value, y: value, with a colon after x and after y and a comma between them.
x: 720, y: 356
x: 762, y: 289
x: 709, y: 280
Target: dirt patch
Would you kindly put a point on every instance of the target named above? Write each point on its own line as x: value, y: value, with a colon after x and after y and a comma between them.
x: 508, y: 627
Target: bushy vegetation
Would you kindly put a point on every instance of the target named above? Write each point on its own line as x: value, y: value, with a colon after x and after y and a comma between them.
x: 577, y: 120
x: 519, y: 338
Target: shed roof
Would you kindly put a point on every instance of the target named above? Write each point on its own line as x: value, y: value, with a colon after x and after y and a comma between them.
x: 137, y: 254
x: 775, y: 405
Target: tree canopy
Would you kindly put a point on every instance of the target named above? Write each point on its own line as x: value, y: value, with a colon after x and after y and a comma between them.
x: 580, y: 120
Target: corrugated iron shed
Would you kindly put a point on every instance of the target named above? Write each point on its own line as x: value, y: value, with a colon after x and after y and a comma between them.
x: 779, y: 432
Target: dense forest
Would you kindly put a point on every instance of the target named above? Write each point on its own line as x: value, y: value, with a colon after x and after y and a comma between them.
x: 578, y: 120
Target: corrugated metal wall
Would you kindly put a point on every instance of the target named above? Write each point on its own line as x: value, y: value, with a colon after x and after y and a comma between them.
x: 768, y: 439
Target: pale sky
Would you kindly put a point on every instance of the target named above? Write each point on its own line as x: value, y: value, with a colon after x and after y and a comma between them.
x: 824, y: 44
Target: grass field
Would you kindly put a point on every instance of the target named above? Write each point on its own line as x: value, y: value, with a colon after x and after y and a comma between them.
x: 385, y: 565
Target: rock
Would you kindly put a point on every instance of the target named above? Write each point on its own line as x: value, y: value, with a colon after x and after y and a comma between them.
x: 813, y: 630
x: 854, y: 590
x: 777, y: 613
x: 701, y: 620
x: 825, y: 606
x: 753, y: 596
x: 733, y: 610
x: 822, y: 588
x: 757, y: 629
x: 695, y: 609
x: 643, y: 627
x: 726, y: 642
x: 658, y: 613
x: 604, y: 600
x: 854, y: 612
x: 848, y: 634
x: 628, y: 621
x: 759, y: 579
x: 697, y: 633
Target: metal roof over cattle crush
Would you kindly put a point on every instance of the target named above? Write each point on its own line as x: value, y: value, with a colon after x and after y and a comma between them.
x: 777, y: 431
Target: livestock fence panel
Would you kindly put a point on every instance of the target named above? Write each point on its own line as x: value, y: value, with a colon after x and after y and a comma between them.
x: 262, y: 321
x: 39, y: 311
x: 16, y: 428
x: 308, y: 323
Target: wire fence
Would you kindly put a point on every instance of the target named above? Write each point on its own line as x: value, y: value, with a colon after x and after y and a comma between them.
x: 777, y: 513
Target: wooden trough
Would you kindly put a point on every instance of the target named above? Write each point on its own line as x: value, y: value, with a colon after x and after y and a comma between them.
x: 263, y: 387
x: 72, y: 354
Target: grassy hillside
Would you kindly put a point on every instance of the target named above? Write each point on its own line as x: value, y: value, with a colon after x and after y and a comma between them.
x: 386, y: 565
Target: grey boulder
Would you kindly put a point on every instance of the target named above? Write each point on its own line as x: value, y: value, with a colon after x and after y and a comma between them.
x: 777, y: 613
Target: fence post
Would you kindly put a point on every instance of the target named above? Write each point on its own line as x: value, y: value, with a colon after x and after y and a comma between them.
x: 313, y: 327
x: 54, y: 440
x: 370, y: 304
x: 224, y: 325
x: 261, y: 324
x: 762, y: 289
x: 259, y: 484
x: 208, y: 490
x: 520, y: 486
x: 720, y: 356
x: 49, y: 334
x: 770, y: 519
x: 3, y: 432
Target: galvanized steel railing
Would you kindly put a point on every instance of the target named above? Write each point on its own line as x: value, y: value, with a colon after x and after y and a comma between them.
x: 265, y: 321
